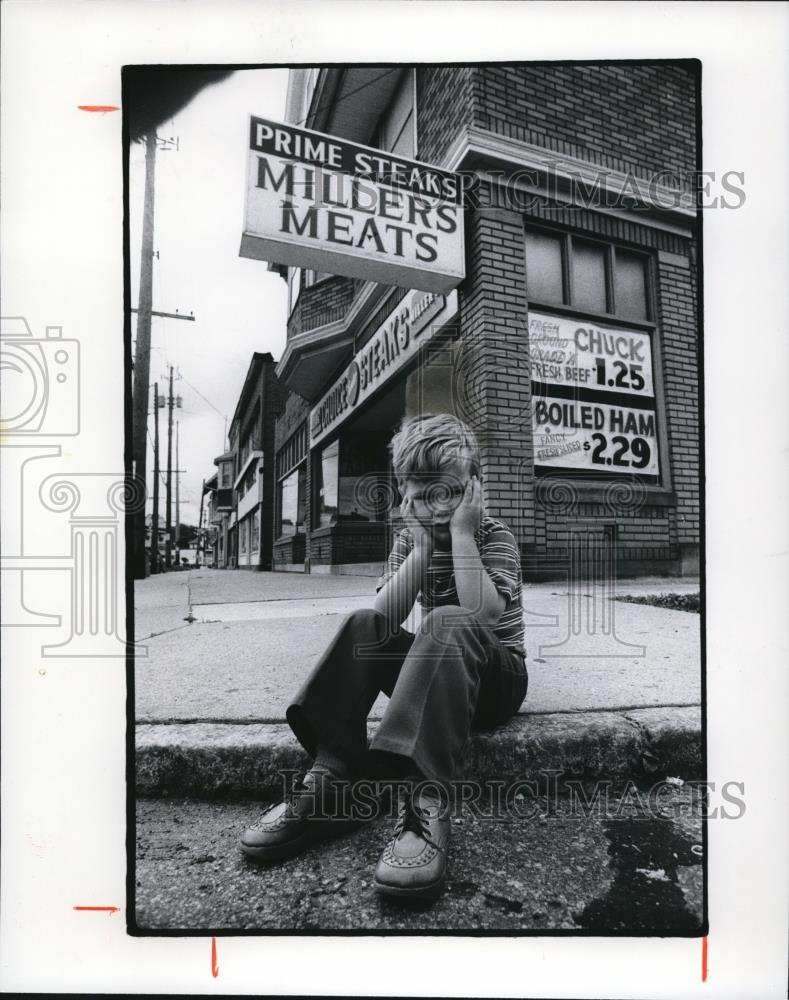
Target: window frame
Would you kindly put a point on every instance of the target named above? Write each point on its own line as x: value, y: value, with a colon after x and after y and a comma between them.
x: 297, y: 471
x: 610, y: 247
x: 292, y: 455
x: 254, y: 532
x: 664, y: 487
x: 317, y: 479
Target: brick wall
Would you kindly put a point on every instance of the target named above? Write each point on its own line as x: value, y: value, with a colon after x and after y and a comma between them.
x: 681, y: 379
x: 637, y: 118
x: 289, y: 551
x: 624, y: 117
x: 349, y: 543
x: 323, y: 303
x: 445, y: 98
x: 493, y: 392
x: 295, y: 410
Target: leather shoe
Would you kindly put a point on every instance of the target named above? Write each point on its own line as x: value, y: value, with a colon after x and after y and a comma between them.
x: 314, y: 810
x: 413, y: 864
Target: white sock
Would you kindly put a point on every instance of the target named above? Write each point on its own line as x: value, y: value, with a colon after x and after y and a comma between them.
x: 327, y: 761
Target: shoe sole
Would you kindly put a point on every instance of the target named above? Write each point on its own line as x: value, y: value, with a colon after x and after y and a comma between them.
x: 291, y: 848
x: 431, y: 891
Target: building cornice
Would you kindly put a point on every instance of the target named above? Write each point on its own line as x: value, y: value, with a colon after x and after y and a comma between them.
x: 476, y: 144
x: 335, y: 334
x: 301, y: 342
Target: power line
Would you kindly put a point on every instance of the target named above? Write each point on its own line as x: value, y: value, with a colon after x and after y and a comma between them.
x: 396, y: 69
x: 160, y: 471
x: 194, y: 389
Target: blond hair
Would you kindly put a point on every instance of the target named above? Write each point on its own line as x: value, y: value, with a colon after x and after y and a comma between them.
x: 428, y: 443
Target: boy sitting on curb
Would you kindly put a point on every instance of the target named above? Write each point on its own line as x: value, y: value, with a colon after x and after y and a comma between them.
x: 464, y: 668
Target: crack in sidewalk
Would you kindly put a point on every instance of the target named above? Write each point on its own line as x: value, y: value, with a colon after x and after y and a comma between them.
x: 650, y: 761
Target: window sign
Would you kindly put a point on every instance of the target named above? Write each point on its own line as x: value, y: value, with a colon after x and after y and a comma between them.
x: 593, y: 397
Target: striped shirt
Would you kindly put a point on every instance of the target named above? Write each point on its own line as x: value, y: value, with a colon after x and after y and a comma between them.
x: 499, y: 555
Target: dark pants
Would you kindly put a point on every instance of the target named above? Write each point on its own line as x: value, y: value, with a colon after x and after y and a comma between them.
x: 454, y: 674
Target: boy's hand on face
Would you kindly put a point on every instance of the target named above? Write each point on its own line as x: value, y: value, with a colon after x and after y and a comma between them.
x: 467, y: 516
x: 422, y: 535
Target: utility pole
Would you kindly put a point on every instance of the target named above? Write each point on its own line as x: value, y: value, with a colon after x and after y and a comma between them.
x: 169, y: 522
x: 142, y: 350
x: 142, y: 355
x: 177, y: 498
x: 200, y: 538
x: 155, y: 517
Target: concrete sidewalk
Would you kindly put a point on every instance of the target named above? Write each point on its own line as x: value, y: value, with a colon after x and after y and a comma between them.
x: 614, y: 688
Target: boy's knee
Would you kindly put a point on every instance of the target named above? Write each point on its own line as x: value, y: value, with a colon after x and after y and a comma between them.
x: 365, y: 616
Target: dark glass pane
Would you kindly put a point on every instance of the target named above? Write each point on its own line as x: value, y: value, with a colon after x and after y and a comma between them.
x: 328, y: 470
x: 544, y: 268
x: 361, y: 492
x: 630, y: 285
x: 301, y: 507
x: 292, y: 502
x: 589, y: 277
x: 289, y: 503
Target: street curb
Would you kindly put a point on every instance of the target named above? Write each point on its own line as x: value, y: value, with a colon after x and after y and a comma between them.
x: 229, y: 760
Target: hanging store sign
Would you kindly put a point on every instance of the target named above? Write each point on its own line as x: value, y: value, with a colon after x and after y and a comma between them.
x: 412, y: 323
x: 593, y: 397
x: 317, y: 201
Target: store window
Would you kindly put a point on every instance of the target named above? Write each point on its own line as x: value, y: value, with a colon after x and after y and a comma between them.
x: 243, y: 536
x: 363, y: 476
x: 588, y: 275
x: 327, y: 486
x: 291, y: 470
x: 595, y: 410
x: 255, y: 526
x: 292, y: 502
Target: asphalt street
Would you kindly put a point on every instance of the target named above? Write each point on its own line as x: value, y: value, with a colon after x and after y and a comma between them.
x: 619, y: 872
